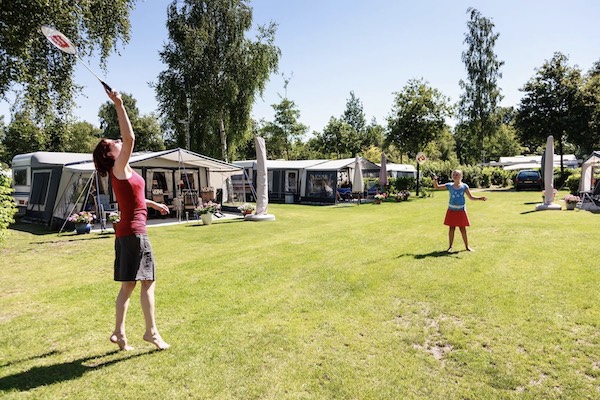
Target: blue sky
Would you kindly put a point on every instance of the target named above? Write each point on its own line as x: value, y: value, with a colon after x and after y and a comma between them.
x: 332, y: 47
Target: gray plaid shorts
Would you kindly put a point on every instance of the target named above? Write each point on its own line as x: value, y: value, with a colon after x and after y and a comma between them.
x: 134, y: 260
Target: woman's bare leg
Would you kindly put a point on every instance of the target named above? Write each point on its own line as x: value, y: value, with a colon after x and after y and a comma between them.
x: 122, y: 304
x: 147, y: 300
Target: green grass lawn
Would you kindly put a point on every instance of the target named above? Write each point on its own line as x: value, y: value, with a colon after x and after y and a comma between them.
x: 339, y: 302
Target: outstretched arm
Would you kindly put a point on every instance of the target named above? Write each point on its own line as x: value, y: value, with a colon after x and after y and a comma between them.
x: 162, y: 208
x: 470, y: 196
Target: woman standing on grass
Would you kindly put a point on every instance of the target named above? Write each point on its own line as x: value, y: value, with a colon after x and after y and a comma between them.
x: 134, y: 260
x: 457, y: 213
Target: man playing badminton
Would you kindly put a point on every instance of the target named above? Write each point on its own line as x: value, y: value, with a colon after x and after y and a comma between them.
x: 134, y: 260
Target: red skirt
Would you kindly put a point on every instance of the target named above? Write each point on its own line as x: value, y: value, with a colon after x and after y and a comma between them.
x: 457, y: 218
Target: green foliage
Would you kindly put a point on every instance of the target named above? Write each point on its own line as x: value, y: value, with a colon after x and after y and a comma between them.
x: 572, y: 183
x: 497, y: 176
x: 22, y: 136
x: 552, y: 105
x: 478, y: 105
x: 418, y: 117
x: 561, y: 176
x: 214, y: 73
x: 284, y: 131
x: 402, y: 183
x: 41, y: 74
x: 8, y: 208
x: 147, y: 130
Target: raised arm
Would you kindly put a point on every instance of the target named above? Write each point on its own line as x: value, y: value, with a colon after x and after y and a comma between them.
x: 436, y: 185
x: 121, y: 168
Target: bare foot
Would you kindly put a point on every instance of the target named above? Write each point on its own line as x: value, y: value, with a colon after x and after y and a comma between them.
x: 157, y: 341
x: 470, y: 249
x: 449, y: 250
x: 121, y: 341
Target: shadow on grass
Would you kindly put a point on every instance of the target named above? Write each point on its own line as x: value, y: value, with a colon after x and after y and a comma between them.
x: 76, y: 239
x: 48, y: 354
x: 50, y: 374
x: 34, y: 229
x: 430, y: 254
x: 528, y: 212
x: 199, y: 224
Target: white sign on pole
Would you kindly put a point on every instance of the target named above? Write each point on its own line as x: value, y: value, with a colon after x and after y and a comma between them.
x: 421, y: 158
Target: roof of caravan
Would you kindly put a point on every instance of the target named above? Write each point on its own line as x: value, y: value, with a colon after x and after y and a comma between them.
x: 45, y: 158
x: 281, y: 164
x: 170, y: 158
x: 400, y: 167
x: 334, y: 165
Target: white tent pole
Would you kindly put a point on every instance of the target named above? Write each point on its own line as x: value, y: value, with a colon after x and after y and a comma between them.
x: 100, y: 207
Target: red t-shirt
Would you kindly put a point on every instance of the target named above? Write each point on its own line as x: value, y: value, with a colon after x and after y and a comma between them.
x: 131, y: 197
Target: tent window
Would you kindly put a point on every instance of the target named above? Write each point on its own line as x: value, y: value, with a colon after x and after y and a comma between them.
x: 320, y: 184
x: 186, y: 181
x: 159, y: 181
x: 39, y: 188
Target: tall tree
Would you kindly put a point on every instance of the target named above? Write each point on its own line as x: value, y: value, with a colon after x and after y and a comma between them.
x: 552, y: 105
x: 22, y: 136
x: 41, y: 75
x: 354, y: 114
x: 588, y: 139
x: 418, y: 117
x: 480, y: 100
x: 214, y: 72
x: 148, y: 134
x: 284, y: 130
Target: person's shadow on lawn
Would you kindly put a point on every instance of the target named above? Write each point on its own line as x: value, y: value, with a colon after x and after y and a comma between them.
x: 430, y: 254
x: 50, y: 374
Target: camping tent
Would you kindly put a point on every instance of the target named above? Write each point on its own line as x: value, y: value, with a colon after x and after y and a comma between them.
x: 587, y: 171
x: 589, y: 185
x: 320, y: 182
x: 38, y: 177
x: 178, y: 177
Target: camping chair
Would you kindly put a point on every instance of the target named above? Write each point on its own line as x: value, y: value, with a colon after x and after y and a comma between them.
x: 590, y: 201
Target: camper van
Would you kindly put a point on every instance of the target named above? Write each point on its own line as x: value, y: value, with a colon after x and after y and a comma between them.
x: 35, y: 179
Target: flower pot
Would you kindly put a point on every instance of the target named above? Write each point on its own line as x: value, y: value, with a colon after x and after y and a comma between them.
x: 570, y: 205
x: 82, y: 228
x: 206, y: 218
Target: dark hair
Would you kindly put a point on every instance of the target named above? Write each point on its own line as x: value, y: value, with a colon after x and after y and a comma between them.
x: 102, y: 161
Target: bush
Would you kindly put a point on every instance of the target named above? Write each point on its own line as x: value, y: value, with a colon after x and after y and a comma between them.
x: 402, y: 183
x: 8, y: 208
x: 572, y: 182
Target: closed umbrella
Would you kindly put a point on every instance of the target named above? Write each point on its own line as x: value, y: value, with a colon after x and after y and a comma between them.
x: 357, y: 182
x: 383, y: 178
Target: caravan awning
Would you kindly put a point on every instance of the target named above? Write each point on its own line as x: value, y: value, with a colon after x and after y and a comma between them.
x: 170, y: 159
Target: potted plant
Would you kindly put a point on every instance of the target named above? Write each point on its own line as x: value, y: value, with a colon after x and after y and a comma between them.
x: 246, y: 208
x: 114, y: 219
x: 379, y: 197
x: 402, y: 195
x: 82, y: 221
x: 571, y: 201
x: 206, y: 211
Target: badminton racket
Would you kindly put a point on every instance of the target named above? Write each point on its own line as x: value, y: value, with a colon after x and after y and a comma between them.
x: 64, y: 44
